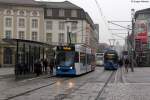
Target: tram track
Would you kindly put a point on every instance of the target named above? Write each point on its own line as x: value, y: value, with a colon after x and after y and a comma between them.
x: 72, y: 90
x: 115, y: 78
x: 105, y: 85
x: 40, y: 87
x: 32, y: 90
x: 59, y: 96
x: 119, y: 76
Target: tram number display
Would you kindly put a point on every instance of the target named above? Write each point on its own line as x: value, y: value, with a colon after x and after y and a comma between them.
x: 65, y: 48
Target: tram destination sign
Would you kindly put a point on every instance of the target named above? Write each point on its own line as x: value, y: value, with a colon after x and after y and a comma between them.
x: 65, y: 48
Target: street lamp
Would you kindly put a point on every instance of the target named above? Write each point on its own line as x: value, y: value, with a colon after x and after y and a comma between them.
x: 112, y: 42
x: 133, y: 22
x: 68, y: 30
x: 133, y: 42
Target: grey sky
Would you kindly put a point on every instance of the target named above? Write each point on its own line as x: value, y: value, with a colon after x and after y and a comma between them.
x: 118, y: 10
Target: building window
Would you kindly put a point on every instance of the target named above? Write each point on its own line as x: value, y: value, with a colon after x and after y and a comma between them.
x: 21, y: 35
x: 49, y: 25
x: 61, y: 25
x: 61, y: 37
x: 7, y: 56
x: 8, y: 34
x: 49, y: 37
x: 73, y: 26
x: 8, y: 22
x: 34, y: 36
x: 74, y: 13
x: 21, y: 22
x: 61, y: 13
x: 73, y: 38
x: 34, y: 23
x: 49, y: 12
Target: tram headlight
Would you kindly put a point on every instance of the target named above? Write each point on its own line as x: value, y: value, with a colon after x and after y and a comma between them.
x: 58, y: 67
x: 71, y: 67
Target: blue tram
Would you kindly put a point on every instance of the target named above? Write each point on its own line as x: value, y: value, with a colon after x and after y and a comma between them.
x: 111, y: 60
x: 74, y: 60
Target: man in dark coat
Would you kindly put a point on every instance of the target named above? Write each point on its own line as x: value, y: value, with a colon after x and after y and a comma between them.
x: 51, y: 65
x: 38, y: 68
x: 126, y: 64
x: 45, y: 63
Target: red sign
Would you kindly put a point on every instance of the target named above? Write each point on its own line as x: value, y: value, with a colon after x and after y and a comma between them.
x: 143, y: 37
x: 141, y: 31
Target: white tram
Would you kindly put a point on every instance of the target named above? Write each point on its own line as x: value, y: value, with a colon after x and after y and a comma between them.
x: 74, y: 60
x: 99, y: 59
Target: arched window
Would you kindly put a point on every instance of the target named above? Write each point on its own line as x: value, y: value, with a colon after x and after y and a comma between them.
x: 21, y: 13
x: 8, y: 12
x: 34, y: 13
x: 7, y: 56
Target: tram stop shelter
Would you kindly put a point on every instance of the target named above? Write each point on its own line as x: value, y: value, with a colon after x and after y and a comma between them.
x: 28, y: 52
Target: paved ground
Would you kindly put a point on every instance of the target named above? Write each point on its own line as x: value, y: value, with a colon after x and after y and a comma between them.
x: 136, y: 86
x: 92, y: 86
x: 6, y: 71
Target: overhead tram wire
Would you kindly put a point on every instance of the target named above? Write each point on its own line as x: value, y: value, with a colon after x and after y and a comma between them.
x: 121, y: 21
x: 119, y: 25
x: 118, y: 36
x: 100, y: 10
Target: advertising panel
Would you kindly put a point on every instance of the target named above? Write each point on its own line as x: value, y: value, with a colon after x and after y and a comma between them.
x: 141, y: 31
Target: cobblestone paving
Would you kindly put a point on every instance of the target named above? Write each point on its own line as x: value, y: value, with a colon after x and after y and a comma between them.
x: 81, y: 88
x: 127, y: 91
x: 136, y: 87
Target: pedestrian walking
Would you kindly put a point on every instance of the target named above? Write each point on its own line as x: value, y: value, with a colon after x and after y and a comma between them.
x: 131, y: 65
x: 38, y: 68
x: 45, y: 64
x: 120, y: 62
x: 42, y: 64
x: 51, y: 65
x: 126, y: 62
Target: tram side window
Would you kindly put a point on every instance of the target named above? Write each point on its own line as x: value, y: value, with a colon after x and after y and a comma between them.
x: 76, y: 57
x: 83, y: 58
x: 89, y: 59
x: 92, y: 59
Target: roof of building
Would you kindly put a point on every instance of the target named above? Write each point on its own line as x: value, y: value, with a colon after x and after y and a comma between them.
x: 19, y: 2
x: 142, y: 11
x: 65, y: 5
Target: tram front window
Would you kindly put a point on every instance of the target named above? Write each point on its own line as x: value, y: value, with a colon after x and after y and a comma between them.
x: 65, y: 58
x: 99, y: 58
x: 111, y: 57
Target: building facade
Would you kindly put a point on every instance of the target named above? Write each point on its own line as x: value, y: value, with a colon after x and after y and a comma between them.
x: 63, y: 18
x: 47, y: 22
x: 19, y: 20
x: 142, y: 37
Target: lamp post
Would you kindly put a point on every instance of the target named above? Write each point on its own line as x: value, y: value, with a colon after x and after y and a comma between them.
x: 133, y: 42
x: 112, y: 43
x: 133, y: 22
x: 68, y: 30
